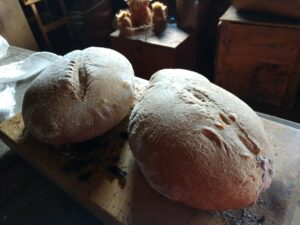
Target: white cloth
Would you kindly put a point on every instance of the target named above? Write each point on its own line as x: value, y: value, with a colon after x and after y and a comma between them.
x: 7, y: 100
x: 24, y: 69
x: 11, y: 73
x: 3, y: 47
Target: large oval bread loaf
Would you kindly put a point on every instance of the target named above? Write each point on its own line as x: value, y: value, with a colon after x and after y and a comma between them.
x: 80, y: 96
x: 198, y: 144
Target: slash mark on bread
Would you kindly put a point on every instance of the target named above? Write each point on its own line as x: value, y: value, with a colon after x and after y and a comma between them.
x: 82, y: 82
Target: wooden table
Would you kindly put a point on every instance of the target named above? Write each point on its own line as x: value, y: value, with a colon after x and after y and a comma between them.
x: 26, y: 197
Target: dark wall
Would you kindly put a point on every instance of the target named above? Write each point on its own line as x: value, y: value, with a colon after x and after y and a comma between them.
x: 208, y: 35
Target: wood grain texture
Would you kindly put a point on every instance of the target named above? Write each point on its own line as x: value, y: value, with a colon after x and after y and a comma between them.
x: 15, y: 28
x: 289, y: 8
x: 149, y: 53
x: 234, y: 15
x: 89, y: 173
x: 258, y: 60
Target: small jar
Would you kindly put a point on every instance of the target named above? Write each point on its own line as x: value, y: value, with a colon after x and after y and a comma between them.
x: 187, y: 13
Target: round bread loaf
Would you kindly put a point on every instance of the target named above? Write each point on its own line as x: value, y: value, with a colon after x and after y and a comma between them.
x: 198, y: 144
x: 80, y: 96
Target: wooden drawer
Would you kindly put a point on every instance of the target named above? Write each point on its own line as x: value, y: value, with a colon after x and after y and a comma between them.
x: 145, y: 59
x: 174, y: 49
x: 259, y: 62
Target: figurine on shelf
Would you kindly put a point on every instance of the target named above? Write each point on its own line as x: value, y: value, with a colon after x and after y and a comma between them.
x: 141, y: 14
x: 124, y: 23
x: 159, y: 17
x: 140, y: 17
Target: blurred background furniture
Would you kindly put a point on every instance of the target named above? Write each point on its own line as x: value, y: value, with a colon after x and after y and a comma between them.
x: 14, y: 26
x: 289, y: 8
x: 44, y: 27
x: 174, y: 48
x: 258, y: 57
x: 64, y: 25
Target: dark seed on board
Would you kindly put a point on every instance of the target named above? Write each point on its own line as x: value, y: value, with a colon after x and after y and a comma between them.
x: 117, y: 171
x: 124, y: 135
x: 261, y: 220
x: 84, y: 176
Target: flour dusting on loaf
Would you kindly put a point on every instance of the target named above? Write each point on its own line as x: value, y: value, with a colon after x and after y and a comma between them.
x: 198, y: 144
x: 80, y: 96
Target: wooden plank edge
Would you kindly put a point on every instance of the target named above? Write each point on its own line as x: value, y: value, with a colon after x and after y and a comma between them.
x: 233, y: 15
x: 265, y: 120
x: 98, y: 212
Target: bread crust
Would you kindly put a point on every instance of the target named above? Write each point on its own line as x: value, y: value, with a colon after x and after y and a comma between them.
x: 80, y: 96
x: 198, y: 144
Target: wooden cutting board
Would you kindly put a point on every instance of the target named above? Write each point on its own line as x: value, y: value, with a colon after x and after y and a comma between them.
x: 101, y: 174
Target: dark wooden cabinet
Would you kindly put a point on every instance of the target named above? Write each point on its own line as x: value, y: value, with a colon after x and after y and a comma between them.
x: 258, y: 57
x: 174, y: 48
